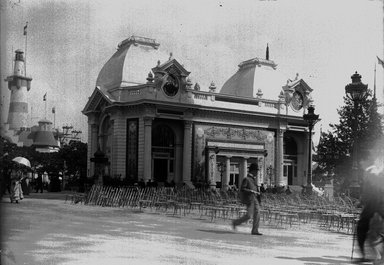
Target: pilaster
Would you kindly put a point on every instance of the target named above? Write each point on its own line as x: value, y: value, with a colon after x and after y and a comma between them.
x: 280, y: 158
x: 305, y: 160
x: 187, y: 153
x: 140, y: 173
x: 92, y: 147
x: 178, y: 163
x: 226, y: 176
x: 243, y: 169
x: 147, y: 148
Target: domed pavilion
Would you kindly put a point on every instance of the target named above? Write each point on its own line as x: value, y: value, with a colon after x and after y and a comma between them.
x: 151, y: 122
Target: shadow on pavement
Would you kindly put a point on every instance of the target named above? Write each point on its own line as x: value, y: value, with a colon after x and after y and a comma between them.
x: 327, y: 260
x: 216, y: 231
x: 61, y: 195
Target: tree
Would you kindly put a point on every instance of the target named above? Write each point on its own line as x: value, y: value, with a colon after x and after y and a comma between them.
x: 362, y: 127
x: 75, y: 156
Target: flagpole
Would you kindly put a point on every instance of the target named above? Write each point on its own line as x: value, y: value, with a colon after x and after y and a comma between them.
x: 374, y: 83
x: 25, y: 57
x: 45, y: 101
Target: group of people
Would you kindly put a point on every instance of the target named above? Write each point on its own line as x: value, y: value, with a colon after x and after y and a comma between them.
x: 19, y: 180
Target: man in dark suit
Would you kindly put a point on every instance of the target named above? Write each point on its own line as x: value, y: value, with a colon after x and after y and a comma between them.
x: 250, y: 196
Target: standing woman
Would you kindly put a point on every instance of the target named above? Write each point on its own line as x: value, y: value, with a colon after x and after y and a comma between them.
x: 16, y: 191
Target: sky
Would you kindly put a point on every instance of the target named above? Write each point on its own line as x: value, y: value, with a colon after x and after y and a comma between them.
x: 68, y: 42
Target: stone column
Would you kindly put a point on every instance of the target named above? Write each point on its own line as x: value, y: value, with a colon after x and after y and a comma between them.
x: 306, y: 155
x: 280, y: 158
x: 178, y: 163
x: 187, y: 153
x: 226, y: 175
x: 92, y: 147
x: 147, y: 148
x: 243, y: 169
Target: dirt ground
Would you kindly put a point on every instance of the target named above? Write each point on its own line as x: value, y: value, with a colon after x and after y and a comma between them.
x: 44, y: 229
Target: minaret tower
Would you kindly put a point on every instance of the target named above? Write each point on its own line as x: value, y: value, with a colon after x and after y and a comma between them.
x: 19, y: 84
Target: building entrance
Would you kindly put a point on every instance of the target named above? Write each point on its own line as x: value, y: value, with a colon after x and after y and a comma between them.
x: 290, y: 172
x: 160, y: 170
x: 163, y: 153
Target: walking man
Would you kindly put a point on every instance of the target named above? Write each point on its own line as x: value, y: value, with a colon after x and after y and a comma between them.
x: 250, y: 196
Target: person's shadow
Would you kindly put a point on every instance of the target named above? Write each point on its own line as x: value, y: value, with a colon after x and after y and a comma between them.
x: 329, y: 260
x: 216, y: 231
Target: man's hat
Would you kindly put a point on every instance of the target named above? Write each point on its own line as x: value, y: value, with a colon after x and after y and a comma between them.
x: 253, y: 167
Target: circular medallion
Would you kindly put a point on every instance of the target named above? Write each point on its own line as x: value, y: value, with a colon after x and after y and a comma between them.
x: 297, y: 101
x: 171, y: 86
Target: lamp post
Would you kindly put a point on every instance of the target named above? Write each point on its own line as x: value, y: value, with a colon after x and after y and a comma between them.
x: 269, y: 172
x: 100, y: 160
x: 311, y: 118
x: 357, y: 92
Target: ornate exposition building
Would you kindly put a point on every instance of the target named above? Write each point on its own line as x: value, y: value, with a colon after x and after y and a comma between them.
x: 151, y: 122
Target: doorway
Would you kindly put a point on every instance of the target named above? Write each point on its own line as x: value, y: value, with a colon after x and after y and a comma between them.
x: 160, y: 170
x: 290, y: 170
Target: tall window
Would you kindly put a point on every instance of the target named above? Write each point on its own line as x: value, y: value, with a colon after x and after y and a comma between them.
x: 132, y: 149
x: 290, y: 160
x: 163, y: 140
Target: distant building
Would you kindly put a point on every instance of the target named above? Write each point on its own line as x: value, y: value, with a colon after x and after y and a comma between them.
x: 43, y: 139
x: 16, y: 128
x: 152, y: 122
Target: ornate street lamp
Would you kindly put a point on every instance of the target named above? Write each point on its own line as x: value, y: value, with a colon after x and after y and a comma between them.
x: 311, y: 118
x: 269, y: 172
x: 357, y: 92
x: 100, y: 161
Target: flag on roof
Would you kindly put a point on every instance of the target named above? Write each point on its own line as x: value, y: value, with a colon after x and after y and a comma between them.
x: 25, y: 29
x: 380, y: 61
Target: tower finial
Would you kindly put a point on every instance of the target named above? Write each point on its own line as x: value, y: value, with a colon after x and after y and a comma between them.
x: 267, y: 53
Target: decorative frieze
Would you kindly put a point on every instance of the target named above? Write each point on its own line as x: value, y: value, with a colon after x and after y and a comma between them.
x: 231, y: 133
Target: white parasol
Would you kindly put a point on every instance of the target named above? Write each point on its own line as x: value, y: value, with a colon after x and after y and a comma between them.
x: 22, y: 161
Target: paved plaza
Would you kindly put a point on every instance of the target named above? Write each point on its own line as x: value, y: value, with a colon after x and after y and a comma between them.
x: 44, y: 229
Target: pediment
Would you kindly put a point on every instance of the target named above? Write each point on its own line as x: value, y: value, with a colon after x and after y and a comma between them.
x: 97, y: 102
x: 301, y: 86
x: 172, y: 67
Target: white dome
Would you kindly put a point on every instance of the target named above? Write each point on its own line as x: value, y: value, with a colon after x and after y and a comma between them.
x: 254, y: 75
x: 130, y: 64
